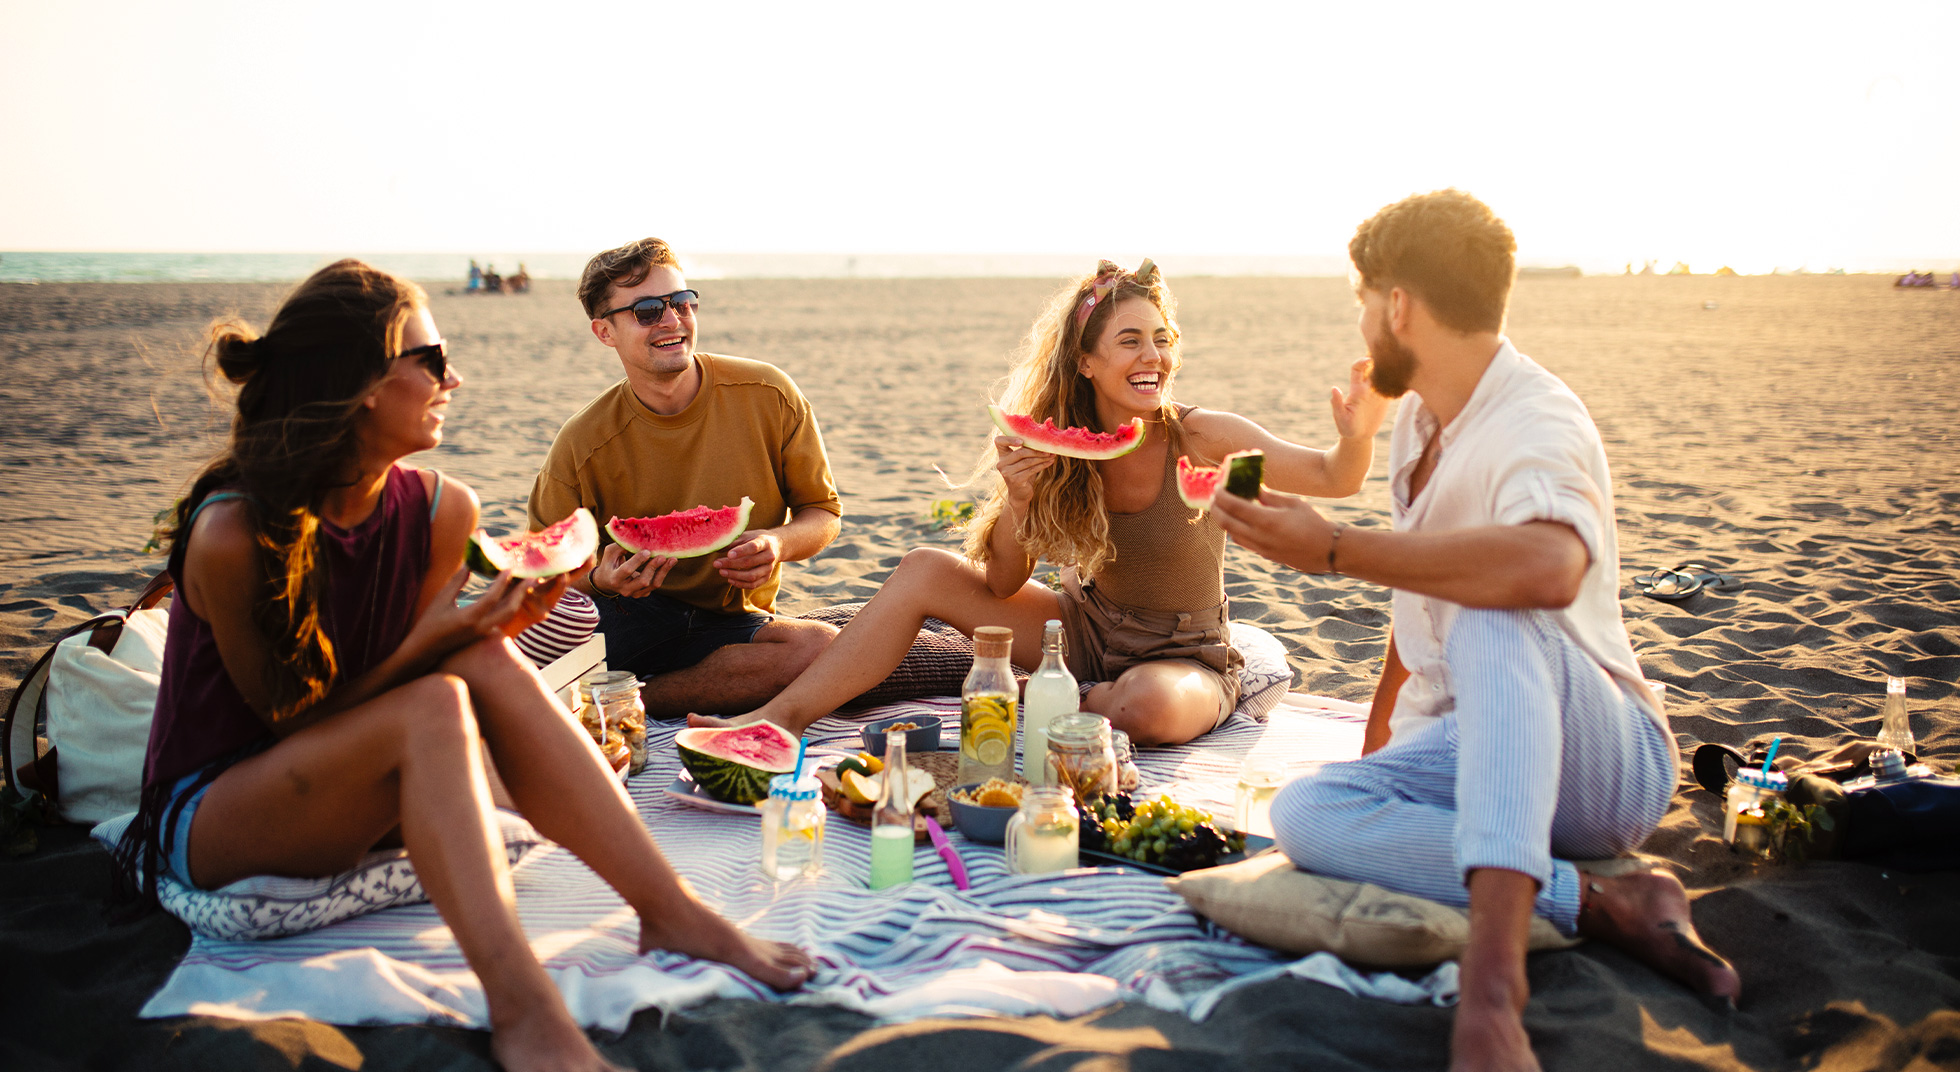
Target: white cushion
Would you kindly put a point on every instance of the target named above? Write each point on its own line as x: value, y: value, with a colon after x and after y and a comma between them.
x: 1266, y: 677
x: 269, y: 906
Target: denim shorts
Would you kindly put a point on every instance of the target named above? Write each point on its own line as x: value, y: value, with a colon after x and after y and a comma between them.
x: 176, y: 838
x: 656, y: 634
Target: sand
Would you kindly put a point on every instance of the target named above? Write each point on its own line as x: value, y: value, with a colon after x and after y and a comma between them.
x: 1798, y: 432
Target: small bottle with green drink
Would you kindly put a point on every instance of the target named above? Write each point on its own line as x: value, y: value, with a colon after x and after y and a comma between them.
x: 891, y: 820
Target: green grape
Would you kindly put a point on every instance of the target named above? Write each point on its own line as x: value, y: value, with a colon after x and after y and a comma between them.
x: 1185, y: 826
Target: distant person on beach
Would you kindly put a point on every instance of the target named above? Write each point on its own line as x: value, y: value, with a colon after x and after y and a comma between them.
x: 520, y: 282
x: 687, y: 429
x: 492, y: 282
x: 1143, y: 592
x: 476, y: 276
x: 323, y: 693
x: 1511, y: 730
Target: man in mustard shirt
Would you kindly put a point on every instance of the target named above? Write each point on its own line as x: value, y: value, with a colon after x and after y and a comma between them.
x: 687, y: 429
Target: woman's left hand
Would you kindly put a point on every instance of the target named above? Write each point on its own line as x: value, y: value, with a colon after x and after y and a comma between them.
x: 508, y: 607
x: 1358, y: 411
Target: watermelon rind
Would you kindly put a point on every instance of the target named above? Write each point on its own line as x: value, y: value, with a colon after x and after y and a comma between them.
x: 556, y: 549
x: 638, y: 534
x: 1069, y: 442
x: 1244, y: 472
x: 735, y: 764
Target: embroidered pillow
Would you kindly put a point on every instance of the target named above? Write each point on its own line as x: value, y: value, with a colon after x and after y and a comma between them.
x: 1266, y: 676
x: 267, y: 906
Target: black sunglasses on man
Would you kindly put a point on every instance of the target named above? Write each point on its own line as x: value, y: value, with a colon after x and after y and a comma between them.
x: 650, y: 311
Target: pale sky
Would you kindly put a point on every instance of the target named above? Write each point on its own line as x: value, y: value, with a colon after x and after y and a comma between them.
x: 1756, y: 135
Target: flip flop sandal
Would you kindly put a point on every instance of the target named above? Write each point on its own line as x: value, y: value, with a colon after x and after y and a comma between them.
x: 1710, y: 579
x: 1712, y: 766
x: 1672, y: 586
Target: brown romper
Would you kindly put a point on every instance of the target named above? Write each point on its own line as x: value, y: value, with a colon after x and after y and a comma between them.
x: 1161, y: 597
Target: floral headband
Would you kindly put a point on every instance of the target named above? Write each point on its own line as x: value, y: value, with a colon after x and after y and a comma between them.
x: 1108, y: 274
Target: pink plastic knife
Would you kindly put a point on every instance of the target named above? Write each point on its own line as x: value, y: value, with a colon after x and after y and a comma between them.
x: 954, y: 865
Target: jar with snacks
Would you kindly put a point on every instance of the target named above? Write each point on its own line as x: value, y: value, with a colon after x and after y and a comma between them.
x: 1080, y: 757
x: 987, y: 708
x: 610, y: 738
x: 792, y: 828
x: 1128, y: 777
x: 625, y: 713
x: 1043, y: 836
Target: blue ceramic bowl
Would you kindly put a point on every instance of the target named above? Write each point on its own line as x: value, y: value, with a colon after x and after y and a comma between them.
x: 923, y: 739
x: 985, y: 825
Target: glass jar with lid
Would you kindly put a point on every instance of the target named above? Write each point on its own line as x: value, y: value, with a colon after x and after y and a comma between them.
x: 1128, y: 777
x: 792, y: 828
x: 1080, y: 756
x: 1044, y: 835
x: 625, y: 716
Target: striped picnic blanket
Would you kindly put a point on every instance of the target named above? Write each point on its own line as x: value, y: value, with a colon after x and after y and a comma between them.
x: 1011, y: 944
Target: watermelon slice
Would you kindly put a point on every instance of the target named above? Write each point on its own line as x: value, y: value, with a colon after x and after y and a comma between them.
x: 1070, y: 442
x: 565, y: 546
x: 1197, y: 485
x: 735, y: 765
x: 683, y: 533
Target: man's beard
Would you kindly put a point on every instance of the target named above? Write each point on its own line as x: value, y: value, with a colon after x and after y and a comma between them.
x: 1394, y: 364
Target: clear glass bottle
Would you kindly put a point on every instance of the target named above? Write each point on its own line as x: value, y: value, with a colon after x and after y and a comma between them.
x: 1895, y: 727
x: 625, y: 715
x: 892, y: 836
x: 792, y: 828
x: 1043, y: 836
x: 1051, y: 692
x: 987, y: 709
x: 1080, y: 758
x: 1128, y: 777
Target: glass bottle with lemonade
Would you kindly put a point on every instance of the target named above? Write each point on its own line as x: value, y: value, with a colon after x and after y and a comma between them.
x: 988, y: 702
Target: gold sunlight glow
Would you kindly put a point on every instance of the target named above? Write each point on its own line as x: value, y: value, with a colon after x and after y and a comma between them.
x: 1750, y: 135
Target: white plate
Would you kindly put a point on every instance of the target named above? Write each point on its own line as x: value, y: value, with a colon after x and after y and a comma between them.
x: 688, y: 792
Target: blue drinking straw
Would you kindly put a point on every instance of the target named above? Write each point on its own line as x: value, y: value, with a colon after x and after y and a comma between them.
x: 1773, y: 745
x: 801, y: 744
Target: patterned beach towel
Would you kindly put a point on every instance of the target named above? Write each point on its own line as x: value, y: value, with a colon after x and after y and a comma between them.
x: 1012, y: 944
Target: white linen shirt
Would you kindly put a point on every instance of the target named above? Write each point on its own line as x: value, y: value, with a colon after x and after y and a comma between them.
x: 1524, y: 449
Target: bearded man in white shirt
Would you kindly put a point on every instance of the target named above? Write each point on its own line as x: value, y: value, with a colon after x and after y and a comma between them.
x: 1511, y: 731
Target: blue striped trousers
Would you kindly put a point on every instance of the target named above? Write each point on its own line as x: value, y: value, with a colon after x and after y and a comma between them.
x: 1544, y: 760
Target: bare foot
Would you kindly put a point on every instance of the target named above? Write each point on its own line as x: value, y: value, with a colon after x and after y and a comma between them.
x: 1490, y: 1036
x: 1646, y: 914
x: 710, y: 937
x: 546, y: 1040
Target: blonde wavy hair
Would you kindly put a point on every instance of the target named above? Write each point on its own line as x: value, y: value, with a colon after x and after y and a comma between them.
x: 1067, y: 523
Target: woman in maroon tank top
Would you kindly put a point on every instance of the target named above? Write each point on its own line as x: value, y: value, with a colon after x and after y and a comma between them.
x: 323, y: 691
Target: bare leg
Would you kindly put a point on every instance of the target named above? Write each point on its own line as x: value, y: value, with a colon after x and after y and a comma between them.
x: 1165, y: 702
x: 1645, y: 914
x: 315, y: 802
x: 1489, y: 1028
x: 740, y: 677
x: 928, y: 583
x: 564, y: 787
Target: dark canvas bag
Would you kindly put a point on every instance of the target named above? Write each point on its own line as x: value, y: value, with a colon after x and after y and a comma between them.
x: 76, y: 729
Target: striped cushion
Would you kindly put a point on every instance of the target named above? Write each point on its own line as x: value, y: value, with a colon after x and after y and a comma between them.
x: 570, y: 624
